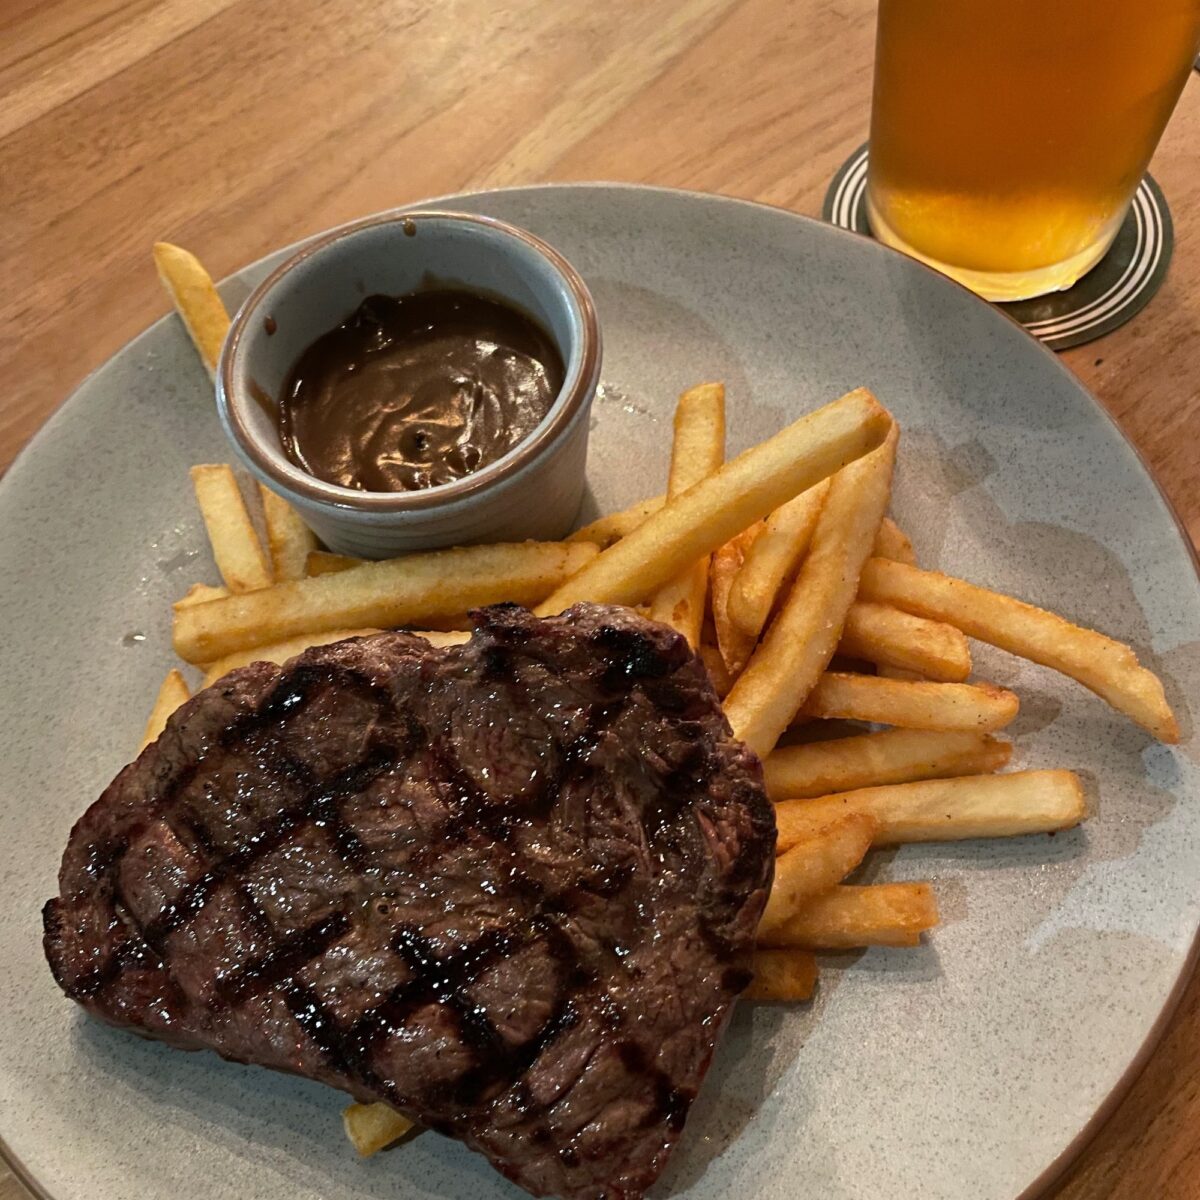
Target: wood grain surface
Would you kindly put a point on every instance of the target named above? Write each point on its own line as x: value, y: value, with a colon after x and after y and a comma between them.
x: 235, y: 126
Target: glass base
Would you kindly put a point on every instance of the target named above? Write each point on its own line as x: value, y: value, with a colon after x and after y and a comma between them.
x: 1003, y: 286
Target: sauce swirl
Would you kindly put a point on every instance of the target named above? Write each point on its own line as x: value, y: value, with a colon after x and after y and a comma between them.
x: 415, y: 391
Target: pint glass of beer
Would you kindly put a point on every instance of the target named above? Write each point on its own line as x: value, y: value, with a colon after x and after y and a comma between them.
x: 1009, y: 136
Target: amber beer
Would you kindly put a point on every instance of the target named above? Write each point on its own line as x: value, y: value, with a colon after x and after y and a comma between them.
x: 1008, y: 136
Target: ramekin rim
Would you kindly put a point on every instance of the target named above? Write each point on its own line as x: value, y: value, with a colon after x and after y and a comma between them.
x: 578, y: 386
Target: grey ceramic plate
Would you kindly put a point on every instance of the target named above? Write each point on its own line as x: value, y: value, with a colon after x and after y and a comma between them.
x: 967, y: 1068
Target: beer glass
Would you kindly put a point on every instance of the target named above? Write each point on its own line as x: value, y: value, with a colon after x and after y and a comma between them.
x: 1009, y: 136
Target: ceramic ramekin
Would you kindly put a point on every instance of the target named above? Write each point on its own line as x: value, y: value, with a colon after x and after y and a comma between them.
x: 533, y: 491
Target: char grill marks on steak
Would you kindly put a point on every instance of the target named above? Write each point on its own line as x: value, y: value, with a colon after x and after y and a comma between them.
x: 510, y: 887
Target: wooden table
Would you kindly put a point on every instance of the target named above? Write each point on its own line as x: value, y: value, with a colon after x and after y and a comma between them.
x: 234, y: 126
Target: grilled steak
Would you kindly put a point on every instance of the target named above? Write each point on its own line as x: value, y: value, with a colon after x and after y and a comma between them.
x: 509, y: 888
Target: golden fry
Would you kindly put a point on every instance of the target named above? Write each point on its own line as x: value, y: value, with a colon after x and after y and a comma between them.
x: 814, y: 865
x: 455, y: 623
x: 289, y: 540
x: 717, y: 670
x: 890, y: 637
x: 735, y: 646
x: 321, y: 562
x: 277, y: 652
x: 945, y: 810
x: 235, y: 545
x: 1107, y: 667
x: 892, y: 756
x: 373, y: 1127
x: 782, y: 974
x: 802, y: 638
x: 442, y: 637
x: 200, y: 593
x: 892, y: 542
x: 698, y: 450
x: 605, y: 530
x: 848, y: 917
x: 399, y: 591
x: 195, y: 298
x: 773, y: 559
x: 740, y: 493
x: 171, y: 695
x: 281, y: 652
x: 982, y: 707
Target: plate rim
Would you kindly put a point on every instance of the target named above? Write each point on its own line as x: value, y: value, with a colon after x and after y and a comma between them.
x: 1066, y: 1158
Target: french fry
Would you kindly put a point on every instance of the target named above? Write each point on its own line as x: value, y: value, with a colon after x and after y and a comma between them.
x: 801, y: 640
x: 289, y: 540
x: 277, y: 652
x: 944, y: 810
x: 892, y: 542
x: 1106, y: 667
x: 982, y: 707
x: 890, y: 637
x: 697, y: 451
x: 281, y: 652
x: 200, y: 593
x: 782, y: 974
x: 235, y: 545
x: 740, y: 493
x: 321, y: 562
x: 773, y: 558
x: 399, y: 591
x: 171, y: 695
x: 442, y: 637
x: 814, y: 865
x: 892, y: 756
x: 849, y: 917
x: 373, y: 1127
x: 735, y: 646
x: 605, y: 530
x: 718, y: 672
x: 191, y: 290
x: 455, y: 623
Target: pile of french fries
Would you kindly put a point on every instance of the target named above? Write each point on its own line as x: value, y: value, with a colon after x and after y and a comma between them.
x: 804, y: 600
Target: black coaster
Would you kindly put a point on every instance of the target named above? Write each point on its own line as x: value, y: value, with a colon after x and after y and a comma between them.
x: 1107, y: 296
